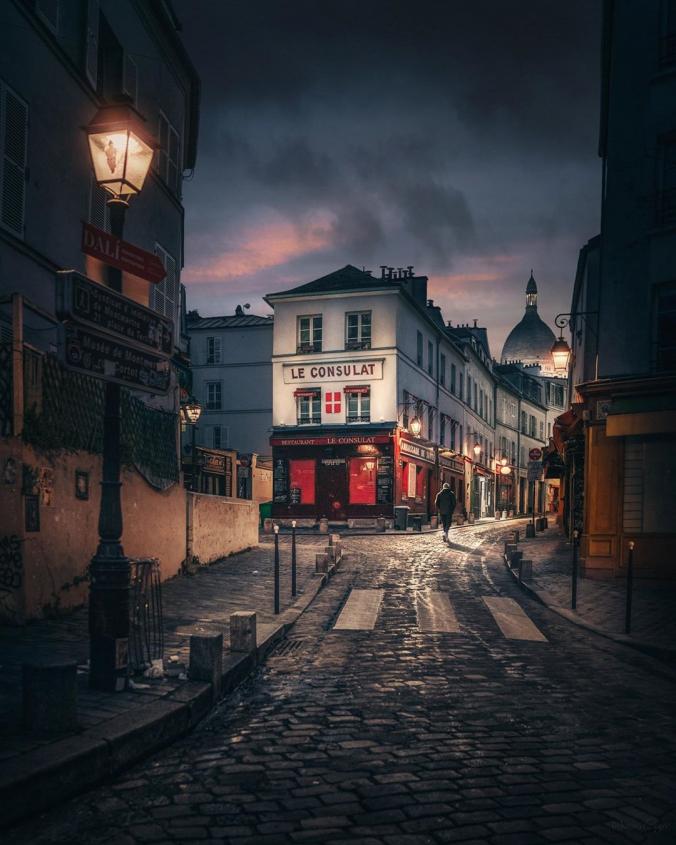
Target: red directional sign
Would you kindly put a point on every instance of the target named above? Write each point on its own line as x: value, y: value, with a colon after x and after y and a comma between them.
x: 125, y: 256
x: 535, y: 454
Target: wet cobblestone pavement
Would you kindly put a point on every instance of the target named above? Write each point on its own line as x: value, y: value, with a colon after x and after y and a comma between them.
x: 397, y: 736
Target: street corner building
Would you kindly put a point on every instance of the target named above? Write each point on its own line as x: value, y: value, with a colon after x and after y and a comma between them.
x: 377, y: 402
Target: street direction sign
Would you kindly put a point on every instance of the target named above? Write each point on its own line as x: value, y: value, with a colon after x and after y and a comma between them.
x: 121, y: 254
x: 534, y: 469
x: 103, y: 357
x: 535, y: 454
x: 101, y: 309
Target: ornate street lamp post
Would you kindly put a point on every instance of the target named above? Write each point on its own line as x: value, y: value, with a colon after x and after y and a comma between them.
x: 121, y: 153
x: 561, y: 351
x: 191, y: 414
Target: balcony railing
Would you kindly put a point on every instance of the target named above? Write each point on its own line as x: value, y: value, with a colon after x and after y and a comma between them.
x: 310, y: 420
x: 305, y: 348
x: 358, y: 344
x: 364, y: 418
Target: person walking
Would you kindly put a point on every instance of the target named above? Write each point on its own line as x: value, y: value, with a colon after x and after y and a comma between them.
x: 445, y: 504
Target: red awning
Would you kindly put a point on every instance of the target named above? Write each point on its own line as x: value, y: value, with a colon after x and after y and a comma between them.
x: 361, y: 389
x: 307, y: 391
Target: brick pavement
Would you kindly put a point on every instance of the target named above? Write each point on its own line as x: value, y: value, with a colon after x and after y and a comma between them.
x: 203, y: 601
x: 399, y: 737
x: 602, y: 603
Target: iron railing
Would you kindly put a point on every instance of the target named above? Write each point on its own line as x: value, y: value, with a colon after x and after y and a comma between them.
x: 146, y: 623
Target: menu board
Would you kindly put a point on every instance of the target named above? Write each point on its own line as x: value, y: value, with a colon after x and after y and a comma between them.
x: 384, y: 481
x: 294, y: 495
x: 280, y: 485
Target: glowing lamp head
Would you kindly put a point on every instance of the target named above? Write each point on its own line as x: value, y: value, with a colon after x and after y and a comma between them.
x: 192, y: 412
x: 415, y: 426
x: 504, y: 470
x: 121, y: 150
x: 561, y: 355
x: 477, y: 449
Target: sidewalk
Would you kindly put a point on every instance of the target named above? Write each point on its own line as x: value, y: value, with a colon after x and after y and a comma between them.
x: 116, y: 728
x: 601, y: 604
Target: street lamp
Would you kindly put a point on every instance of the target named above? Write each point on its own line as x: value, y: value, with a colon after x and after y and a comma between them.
x: 561, y: 352
x: 477, y: 449
x: 192, y: 411
x: 121, y: 153
x: 415, y: 426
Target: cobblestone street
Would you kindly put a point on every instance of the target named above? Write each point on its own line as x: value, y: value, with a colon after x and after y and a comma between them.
x: 409, y: 734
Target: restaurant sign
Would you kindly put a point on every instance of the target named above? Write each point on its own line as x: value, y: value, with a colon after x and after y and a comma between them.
x: 416, y: 450
x: 331, y: 440
x: 102, y: 357
x: 334, y: 371
x: 91, y: 304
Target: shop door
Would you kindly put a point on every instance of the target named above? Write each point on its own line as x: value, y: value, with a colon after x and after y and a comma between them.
x: 332, y: 488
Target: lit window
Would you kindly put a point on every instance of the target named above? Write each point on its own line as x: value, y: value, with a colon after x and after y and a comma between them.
x: 362, y: 481
x: 309, y: 406
x: 302, y: 481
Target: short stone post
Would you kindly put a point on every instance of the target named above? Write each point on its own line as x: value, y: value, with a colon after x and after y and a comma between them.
x: 509, y: 547
x: 530, y: 530
x: 515, y: 535
x: 498, y: 514
x: 206, y: 659
x: 323, y: 525
x: 321, y: 562
x: 380, y: 524
x: 515, y: 559
x: 243, y: 631
x: 49, y: 697
x: 525, y: 570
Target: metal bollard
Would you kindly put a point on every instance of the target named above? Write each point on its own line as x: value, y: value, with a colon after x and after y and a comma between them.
x: 573, y: 598
x: 276, y: 569
x: 293, y: 558
x: 630, y: 587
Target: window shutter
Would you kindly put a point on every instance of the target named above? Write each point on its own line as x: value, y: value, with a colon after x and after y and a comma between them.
x: 172, y: 288
x: 13, y: 142
x: 92, y: 43
x: 130, y: 78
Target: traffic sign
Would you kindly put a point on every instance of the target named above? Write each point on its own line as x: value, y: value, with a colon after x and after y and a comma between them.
x: 535, y: 454
x: 118, y: 253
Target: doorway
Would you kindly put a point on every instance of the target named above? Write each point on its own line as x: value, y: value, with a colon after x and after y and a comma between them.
x: 332, y: 489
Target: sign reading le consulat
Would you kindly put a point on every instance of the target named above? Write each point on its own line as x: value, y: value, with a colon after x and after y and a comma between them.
x: 347, y: 370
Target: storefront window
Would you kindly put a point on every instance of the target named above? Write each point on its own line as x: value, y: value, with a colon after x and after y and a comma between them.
x: 302, y: 481
x: 420, y: 483
x: 362, y: 481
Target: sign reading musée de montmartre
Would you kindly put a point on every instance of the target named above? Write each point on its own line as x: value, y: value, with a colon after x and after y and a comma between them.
x: 347, y: 370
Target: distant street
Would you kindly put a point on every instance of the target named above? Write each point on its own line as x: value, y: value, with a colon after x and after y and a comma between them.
x: 403, y: 734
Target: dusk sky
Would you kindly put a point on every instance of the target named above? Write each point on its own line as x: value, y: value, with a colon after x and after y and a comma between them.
x: 459, y: 137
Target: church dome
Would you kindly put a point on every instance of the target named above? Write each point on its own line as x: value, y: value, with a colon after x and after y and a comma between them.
x: 531, y: 340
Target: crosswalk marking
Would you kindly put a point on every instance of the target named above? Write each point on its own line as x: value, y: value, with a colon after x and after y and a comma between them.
x: 512, y: 620
x: 360, y: 611
x: 435, y: 612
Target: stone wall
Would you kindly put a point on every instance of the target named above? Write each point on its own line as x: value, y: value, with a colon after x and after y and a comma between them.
x: 219, y: 526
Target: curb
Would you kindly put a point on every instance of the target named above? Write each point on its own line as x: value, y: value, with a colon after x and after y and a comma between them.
x: 390, y: 532
x: 37, y: 781
x: 665, y: 654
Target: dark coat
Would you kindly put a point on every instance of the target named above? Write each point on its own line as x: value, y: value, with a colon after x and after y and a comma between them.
x: 445, y: 502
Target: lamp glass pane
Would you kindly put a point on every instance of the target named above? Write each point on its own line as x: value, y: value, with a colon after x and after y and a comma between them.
x: 109, y: 152
x: 139, y: 158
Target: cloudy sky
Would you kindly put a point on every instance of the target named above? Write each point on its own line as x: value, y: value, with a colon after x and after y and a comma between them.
x: 456, y: 136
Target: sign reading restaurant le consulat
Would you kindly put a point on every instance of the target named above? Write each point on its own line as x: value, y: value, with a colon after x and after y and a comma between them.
x: 331, y: 440
x: 334, y: 371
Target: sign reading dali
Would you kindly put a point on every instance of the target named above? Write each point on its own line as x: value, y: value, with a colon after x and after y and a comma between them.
x: 109, y: 336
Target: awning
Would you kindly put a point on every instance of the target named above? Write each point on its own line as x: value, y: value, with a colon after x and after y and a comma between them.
x: 307, y: 391
x: 566, y: 425
x: 361, y: 389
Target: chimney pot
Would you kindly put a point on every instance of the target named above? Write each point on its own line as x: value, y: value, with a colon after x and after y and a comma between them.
x: 383, y: 267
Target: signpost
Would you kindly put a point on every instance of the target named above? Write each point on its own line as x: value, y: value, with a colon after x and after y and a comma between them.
x: 118, y: 253
x: 534, y: 474
x: 535, y: 454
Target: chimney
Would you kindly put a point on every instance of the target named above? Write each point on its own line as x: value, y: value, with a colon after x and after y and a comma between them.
x: 430, y: 303
x: 475, y: 322
x: 410, y: 271
x: 383, y: 267
x: 390, y: 272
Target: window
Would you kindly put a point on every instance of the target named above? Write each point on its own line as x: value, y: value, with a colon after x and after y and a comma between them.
x: 404, y: 416
x: 99, y: 211
x: 522, y: 456
x: 524, y: 422
x: 167, y: 158
x: 430, y: 423
x: 442, y: 369
x: 476, y: 404
x: 362, y: 473
x: 13, y: 160
x: 219, y: 437
x: 164, y: 297
x: 310, y: 333
x: 461, y: 441
x: 469, y: 390
x: 481, y: 403
x: 213, y: 395
x: 453, y: 375
x: 419, y: 353
x: 513, y: 451
x: 665, y: 327
x: 333, y: 401
x: 358, y: 330
x: 442, y: 430
x: 408, y: 480
x: 213, y: 350
x: 542, y: 430
x: 358, y: 401
x: 302, y: 481
x: 430, y: 357
x: 309, y: 406
x: 48, y: 11
x: 532, y: 426
x: 461, y: 391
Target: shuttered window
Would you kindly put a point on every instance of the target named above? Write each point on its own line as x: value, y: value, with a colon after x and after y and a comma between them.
x: 164, y: 297
x: 167, y: 158
x: 13, y: 160
x: 92, y: 44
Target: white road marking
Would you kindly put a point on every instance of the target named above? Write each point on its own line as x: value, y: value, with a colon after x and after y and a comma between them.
x: 512, y: 620
x: 360, y: 611
x: 435, y: 612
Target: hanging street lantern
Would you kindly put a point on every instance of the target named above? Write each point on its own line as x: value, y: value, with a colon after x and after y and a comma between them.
x: 561, y: 355
x: 477, y: 449
x: 415, y: 426
x: 192, y: 411
x: 121, y: 150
